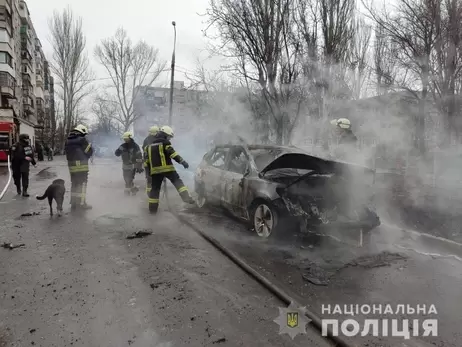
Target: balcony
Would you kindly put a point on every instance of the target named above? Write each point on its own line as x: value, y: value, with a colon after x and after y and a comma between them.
x: 28, y: 104
x: 7, y: 85
x: 27, y: 71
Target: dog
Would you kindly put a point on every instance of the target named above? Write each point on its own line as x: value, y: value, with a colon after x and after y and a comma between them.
x: 55, y: 190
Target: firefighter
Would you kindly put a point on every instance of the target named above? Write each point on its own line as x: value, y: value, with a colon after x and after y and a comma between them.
x: 78, y: 151
x: 22, y: 156
x: 147, y: 141
x: 132, y: 161
x: 158, y: 158
x: 345, y: 140
x: 343, y: 131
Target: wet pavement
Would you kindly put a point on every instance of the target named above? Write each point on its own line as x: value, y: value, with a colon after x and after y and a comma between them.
x: 397, y: 267
x: 78, y: 281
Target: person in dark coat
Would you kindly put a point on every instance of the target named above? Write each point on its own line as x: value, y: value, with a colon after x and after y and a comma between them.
x: 22, y: 156
x: 132, y: 162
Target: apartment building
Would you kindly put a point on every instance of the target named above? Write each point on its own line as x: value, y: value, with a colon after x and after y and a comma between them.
x: 27, y: 92
x: 152, y: 107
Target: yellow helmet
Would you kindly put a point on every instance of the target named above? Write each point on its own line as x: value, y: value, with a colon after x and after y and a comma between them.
x: 81, y: 129
x: 127, y: 135
x: 153, y: 130
x: 167, y: 130
x: 342, y: 123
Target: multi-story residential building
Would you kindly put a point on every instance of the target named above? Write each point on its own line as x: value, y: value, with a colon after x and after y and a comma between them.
x: 24, y: 73
x: 152, y: 107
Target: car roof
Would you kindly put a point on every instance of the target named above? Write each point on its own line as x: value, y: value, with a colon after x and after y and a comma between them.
x: 267, y: 147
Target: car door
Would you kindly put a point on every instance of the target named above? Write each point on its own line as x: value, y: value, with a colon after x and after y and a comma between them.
x: 213, y: 173
x: 237, y: 166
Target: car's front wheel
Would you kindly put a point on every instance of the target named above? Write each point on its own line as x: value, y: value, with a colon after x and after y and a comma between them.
x: 265, y: 219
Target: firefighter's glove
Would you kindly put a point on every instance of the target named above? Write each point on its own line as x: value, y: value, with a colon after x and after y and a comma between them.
x: 139, y: 170
x: 185, y: 164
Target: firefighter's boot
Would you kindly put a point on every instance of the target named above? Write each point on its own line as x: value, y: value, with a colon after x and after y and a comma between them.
x: 134, y: 190
x: 18, y: 190
x: 24, y: 193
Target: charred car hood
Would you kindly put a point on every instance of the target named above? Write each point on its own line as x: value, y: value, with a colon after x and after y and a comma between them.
x: 304, y: 161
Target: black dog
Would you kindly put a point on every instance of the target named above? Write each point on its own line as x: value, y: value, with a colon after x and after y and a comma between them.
x: 55, y: 191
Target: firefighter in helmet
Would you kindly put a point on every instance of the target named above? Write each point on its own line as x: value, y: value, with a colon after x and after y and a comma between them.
x: 22, y: 156
x: 158, y: 158
x: 153, y: 131
x: 78, y: 152
x: 132, y: 161
x: 344, y: 138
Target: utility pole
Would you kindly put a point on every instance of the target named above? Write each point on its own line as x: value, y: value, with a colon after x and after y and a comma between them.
x: 170, y: 113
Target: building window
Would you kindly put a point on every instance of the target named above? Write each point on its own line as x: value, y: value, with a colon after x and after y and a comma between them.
x: 4, y: 36
x: 5, y: 58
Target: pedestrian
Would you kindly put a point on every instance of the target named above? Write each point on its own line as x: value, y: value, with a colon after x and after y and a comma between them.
x: 78, y: 151
x: 150, y: 139
x: 40, y: 152
x: 132, y: 161
x: 22, y: 156
x: 158, y: 158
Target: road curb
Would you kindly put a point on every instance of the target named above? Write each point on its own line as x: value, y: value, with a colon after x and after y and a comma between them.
x: 267, y: 284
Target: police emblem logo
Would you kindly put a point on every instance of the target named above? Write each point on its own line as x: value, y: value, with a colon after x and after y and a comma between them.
x: 292, y: 319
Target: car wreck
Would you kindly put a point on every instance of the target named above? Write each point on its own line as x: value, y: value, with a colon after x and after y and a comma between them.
x: 276, y: 188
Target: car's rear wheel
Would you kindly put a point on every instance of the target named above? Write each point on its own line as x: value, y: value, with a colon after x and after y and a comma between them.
x: 264, y: 219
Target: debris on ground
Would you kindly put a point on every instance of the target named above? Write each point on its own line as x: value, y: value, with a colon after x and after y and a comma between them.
x: 139, y: 234
x: 12, y: 246
x: 316, y: 275
x: 377, y: 260
x: 222, y: 340
x: 29, y: 214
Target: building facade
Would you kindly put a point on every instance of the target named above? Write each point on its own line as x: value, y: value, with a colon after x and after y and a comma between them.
x: 151, y: 107
x: 27, y: 97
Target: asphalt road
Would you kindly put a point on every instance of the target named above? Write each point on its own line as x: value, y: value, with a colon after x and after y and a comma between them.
x: 78, y: 281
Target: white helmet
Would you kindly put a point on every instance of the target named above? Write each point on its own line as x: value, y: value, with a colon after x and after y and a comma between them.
x: 167, y: 130
x: 342, y: 123
x: 127, y: 135
x: 81, y: 129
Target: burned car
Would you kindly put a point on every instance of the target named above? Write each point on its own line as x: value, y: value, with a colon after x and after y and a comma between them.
x: 270, y: 186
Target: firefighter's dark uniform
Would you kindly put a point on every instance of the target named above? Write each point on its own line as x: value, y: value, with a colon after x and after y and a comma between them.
x: 20, y: 165
x: 347, y: 137
x: 132, y: 161
x: 148, y: 141
x: 78, y: 152
x: 158, y: 158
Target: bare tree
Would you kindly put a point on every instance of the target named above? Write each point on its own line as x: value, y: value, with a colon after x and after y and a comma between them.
x: 447, y: 65
x: 358, y: 57
x: 105, y: 111
x: 129, y: 66
x: 70, y: 63
x: 259, y: 36
x: 413, y: 27
x: 385, y: 61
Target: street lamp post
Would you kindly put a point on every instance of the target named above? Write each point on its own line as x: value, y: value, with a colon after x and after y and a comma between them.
x: 170, y: 113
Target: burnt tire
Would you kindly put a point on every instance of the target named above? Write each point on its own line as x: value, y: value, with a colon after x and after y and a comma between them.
x: 265, y: 219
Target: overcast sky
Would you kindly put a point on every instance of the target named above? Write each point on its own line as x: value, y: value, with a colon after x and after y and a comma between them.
x: 149, y: 20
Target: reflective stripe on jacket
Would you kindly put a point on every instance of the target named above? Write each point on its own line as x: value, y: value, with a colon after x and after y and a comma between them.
x: 131, y: 155
x: 78, y: 151
x: 159, y: 155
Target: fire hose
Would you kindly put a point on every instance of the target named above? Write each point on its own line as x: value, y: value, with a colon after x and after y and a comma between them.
x: 9, y: 179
